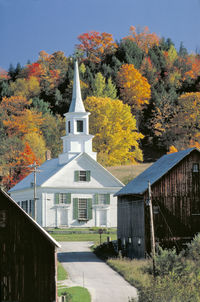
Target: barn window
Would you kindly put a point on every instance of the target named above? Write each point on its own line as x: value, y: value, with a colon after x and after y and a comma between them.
x: 79, y: 126
x: 82, y: 208
x: 102, y: 199
x: 82, y: 175
x: 2, y: 218
x: 195, y: 168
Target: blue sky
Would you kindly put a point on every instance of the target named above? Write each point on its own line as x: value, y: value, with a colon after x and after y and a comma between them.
x: 29, y: 26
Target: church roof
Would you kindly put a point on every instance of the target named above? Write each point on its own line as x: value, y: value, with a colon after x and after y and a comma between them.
x: 77, y: 102
x: 140, y: 184
x: 51, y: 167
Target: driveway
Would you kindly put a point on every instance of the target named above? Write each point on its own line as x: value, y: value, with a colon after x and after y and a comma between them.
x: 85, y: 269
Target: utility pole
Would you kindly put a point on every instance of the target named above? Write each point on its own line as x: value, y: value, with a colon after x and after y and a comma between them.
x: 153, y: 245
x: 34, y: 166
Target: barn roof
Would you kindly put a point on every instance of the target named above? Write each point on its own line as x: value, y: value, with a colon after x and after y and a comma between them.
x: 140, y: 184
x: 31, y: 220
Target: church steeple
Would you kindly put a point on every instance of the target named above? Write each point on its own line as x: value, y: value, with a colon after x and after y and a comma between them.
x: 77, y: 102
x: 77, y: 139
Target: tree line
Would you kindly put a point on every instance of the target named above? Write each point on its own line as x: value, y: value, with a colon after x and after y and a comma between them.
x: 143, y: 95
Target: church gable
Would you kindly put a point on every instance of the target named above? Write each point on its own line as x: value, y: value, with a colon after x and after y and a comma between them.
x: 82, y: 172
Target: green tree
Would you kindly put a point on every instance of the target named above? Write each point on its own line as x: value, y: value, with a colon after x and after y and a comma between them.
x: 99, y: 85
x: 110, y: 90
x: 53, y: 127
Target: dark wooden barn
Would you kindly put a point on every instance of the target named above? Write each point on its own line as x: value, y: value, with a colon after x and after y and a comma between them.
x: 28, y: 256
x: 175, y: 188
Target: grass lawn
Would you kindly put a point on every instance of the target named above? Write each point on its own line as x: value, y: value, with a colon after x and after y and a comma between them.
x: 83, y: 237
x: 61, y: 272
x: 76, y: 293
x: 128, y: 172
x: 134, y: 271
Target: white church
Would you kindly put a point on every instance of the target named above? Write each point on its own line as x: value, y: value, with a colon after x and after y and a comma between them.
x: 73, y: 190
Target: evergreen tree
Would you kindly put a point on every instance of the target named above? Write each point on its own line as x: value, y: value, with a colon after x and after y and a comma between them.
x: 110, y: 90
x: 99, y: 85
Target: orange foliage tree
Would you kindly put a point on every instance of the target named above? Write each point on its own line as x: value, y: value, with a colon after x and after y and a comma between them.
x: 17, y: 118
x: 186, y: 122
x: 21, y: 167
x: 96, y: 45
x: 134, y: 88
x: 35, y: 70
x: 194, y: 62
x: 144, y: 39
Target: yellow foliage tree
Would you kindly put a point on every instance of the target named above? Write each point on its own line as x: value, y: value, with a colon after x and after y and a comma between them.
x: 37, y: 144
x: 134, y: 88
x: 26, y: 87
x: 116, y: 137
x: 172, y: 149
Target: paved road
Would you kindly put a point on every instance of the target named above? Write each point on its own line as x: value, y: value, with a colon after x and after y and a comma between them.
x: 85, y: 269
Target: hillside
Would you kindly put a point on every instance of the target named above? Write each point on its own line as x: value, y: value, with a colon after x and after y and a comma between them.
x: 128, y: 172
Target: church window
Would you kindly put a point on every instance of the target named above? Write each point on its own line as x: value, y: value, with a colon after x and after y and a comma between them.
x: 82, y: 209
x: 69, y: 127
x: 24, y: 205
x: 79, y: 126
x: 63, y: 198
x: 28, y: 206
x: 82, y: 175
x: 102, y: 199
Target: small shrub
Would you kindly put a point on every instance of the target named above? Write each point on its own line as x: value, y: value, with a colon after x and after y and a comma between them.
x: 106, y: 250
x: 166, y: 261
x: 193, y: 249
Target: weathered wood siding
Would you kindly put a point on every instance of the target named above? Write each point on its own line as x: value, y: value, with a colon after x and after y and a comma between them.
x: 27, y: 258
x: 177, y: 194
x: 131, y: 226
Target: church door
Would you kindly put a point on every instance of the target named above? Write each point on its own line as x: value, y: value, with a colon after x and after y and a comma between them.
x: 63, y: 217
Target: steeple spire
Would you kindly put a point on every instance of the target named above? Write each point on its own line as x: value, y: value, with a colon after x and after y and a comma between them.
x: 77, y: 139
x: 77, y: 102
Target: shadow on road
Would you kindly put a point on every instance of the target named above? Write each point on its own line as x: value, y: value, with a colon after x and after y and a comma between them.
x: 77, y: 257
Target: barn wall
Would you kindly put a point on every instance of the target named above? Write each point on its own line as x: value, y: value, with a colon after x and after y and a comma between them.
x: 27, y: 259
x: 178, y: 195
x: 130, y: 229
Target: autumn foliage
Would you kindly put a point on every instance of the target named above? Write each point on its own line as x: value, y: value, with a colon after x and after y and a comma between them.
x: 144, y: 39
x: 142, y: 91
x: 96, y: 45
x: 116, y: 136
x: 134, y: 88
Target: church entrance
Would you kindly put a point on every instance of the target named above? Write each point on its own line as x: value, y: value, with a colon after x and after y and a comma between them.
x: 63, y: 217
x: 102, y: 218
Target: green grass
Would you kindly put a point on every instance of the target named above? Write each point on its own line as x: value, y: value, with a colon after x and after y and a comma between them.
x: 61, y: 272
x: 77, y: 293
x: 83, y: 237
x: 76, y: 230
x: 134, y: 271
x: 128, y: 172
